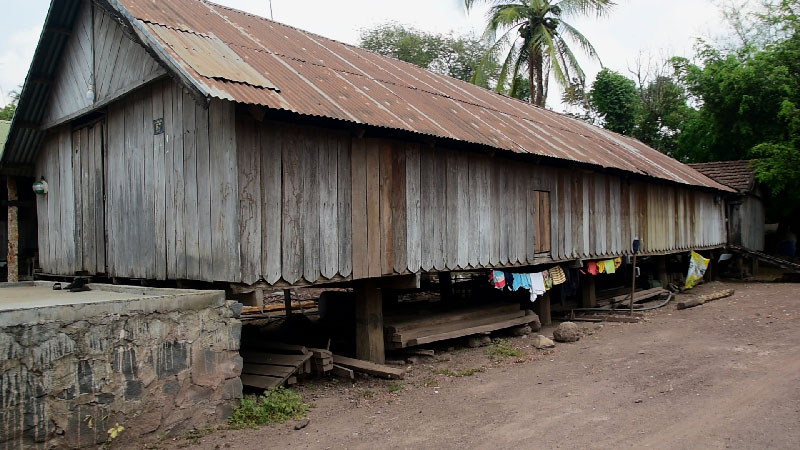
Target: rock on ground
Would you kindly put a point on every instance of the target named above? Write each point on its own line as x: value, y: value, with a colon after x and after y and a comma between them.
x: 541, y: 342
x: 478, y: 341
x: 567, y: 332
x: 520, y: 331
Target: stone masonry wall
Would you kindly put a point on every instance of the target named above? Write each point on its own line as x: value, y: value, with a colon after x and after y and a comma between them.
x: 157, y: 365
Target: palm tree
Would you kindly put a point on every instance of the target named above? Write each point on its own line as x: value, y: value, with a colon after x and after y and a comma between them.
x: 535, y: 36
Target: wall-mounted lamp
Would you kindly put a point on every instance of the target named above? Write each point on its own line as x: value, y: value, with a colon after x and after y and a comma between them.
x: 40, y: 187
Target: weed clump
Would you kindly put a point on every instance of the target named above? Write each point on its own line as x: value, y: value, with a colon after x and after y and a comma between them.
x: 501, y: 348
x: 275, y: 405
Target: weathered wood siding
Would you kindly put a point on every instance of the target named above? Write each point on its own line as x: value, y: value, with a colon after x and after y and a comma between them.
x: 751, y: 223
x: 91, y: 60
x: 221, y: 196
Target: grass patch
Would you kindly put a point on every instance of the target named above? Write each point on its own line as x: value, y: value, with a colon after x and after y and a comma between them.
x: 366, y: 393
x: 394, y: 387
x: 274, y: 406
x: 457, y: 374
x: 429, y: 382
x: 501, y: 348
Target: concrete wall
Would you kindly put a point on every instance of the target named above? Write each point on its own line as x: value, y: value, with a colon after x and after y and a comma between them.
x: 160, y: 363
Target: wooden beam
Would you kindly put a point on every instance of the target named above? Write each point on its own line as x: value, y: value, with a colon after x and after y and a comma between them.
x: 13, y: 231
x: 542, y: 309
x: 410, y: 281
x: 369, y: 322
x: 588, y: 292
x: 371, y: 368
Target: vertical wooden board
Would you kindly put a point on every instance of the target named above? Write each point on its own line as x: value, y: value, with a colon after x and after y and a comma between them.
x: 249, y: 163
x: 413, y: 208
x: 114, y: 139
x: 484, y: 210
x: 494, y: 208
x: 148, y: 183
x: 67, y: 204
x: 170, y: 131
x: 607, y: 221
x: 625, y: 221
x: 80, y: 194
x: 328, y: 196
x: 292, y: 226
x: 563, y: 215
x: 503, y: 211
x: 451, y: 228
x: 344, y: 199
x: 226, y: 263
x: 373, y: 178
x: 358, y: 174
x: 386, y: 186
x: 546, y: 223
x: 139, y: 231
x: 566, y: 216
x: 426, y: 208
x: 90, y: 144
x: 537, y: 220
x: 577, y: 214
x: 586, y: 219
x: 271, y: 184
x: 190, y: 187
x: 522, y: 188
x: 180, y: 182
x: 100, y: 197
x: 159, y: 194
x: 556, y: 243
x: 439, y: 210
x: 398, y: 207
x: 53, y: 213
x: 42, y: 228
x: 204, y: 188
x: 473, y: 188
x: 311, y: 206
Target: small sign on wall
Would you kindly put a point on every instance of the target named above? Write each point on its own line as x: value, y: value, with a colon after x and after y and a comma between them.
x: 158, y: 126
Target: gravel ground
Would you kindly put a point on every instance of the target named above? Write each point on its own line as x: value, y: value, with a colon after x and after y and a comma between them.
x: 722, y: 375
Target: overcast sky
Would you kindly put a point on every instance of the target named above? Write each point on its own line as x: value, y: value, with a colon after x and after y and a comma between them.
x: 654, y: 27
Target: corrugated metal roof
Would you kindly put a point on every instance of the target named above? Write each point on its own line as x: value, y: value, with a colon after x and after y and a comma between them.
x: 737, y: 175
x: 277, y: 66
x: 321, y: 77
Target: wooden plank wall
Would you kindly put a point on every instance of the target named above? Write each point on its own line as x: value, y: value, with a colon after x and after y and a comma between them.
x: 112, y: 50
x: 221, y: 196
x: 96, y: 49
x: 751, y: 216
x: 68, y: 93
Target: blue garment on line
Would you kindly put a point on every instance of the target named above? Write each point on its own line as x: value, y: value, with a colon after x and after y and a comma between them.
x: 520, y: 281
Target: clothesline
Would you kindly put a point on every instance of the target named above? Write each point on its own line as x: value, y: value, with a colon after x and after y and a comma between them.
x: 537, y: 283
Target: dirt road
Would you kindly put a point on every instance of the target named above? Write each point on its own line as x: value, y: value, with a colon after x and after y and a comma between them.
x: 722, y: 375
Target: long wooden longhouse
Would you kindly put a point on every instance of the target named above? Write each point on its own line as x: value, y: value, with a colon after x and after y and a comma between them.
x: 183, y: 140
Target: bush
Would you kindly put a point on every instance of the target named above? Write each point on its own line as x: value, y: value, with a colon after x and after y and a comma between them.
x: 274, y: 406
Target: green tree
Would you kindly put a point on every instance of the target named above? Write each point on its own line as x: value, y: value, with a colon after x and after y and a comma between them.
x: 614, y: 98
x: 453, y: 55
x: 534, y: 36
x: 7, y: 112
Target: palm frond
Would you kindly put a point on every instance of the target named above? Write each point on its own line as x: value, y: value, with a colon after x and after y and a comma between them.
x: 510, y: 64
x: 585, y: 7
x: 550, y: 49
x: 567, y: 30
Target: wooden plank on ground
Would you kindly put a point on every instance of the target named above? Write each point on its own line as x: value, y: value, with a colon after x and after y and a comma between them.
x: 260, y: 381
x: 379, y: 370
x: 468, y: 331
x: 343, y: 372
x: 275, y: 359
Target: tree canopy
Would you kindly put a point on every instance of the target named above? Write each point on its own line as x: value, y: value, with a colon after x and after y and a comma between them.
x: 447, y: 54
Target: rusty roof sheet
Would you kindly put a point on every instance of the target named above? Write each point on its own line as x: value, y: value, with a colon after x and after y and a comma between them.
x: 737, y: 175
x: 244, y: 58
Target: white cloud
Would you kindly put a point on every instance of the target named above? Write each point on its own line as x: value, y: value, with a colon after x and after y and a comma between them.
x: 15, y: 59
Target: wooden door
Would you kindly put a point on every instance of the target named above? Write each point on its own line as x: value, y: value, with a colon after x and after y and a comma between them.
x: 541, y: 221
x: 88, y: 143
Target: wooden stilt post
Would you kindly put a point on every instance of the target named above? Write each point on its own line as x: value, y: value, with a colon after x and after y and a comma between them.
x: 588, y: 292
x: 754, y: 266
x: 369, y: 322
x: 661, y: 267
x: 633, y: 282
x: 13, y: 231
x: 287, y: 301
x: 542, y: 309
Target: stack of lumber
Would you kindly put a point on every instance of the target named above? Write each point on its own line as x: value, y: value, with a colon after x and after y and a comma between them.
x: 408, y: 331
x: 345, y: 364
x: 625, y: 299
x: 321, y: 360
x: 272, y: 364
